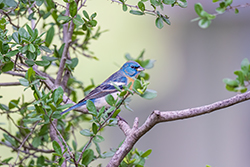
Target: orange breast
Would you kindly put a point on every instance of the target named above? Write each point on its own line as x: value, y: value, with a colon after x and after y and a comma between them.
x: 130, y: 80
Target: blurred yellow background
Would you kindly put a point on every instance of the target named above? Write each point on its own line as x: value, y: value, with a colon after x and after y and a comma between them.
x: 190, y: 65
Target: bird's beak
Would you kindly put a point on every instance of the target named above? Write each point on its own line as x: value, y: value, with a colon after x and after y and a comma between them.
x: 140, y: 69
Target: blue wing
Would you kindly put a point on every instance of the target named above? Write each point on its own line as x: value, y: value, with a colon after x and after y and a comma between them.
x: 102, y: 90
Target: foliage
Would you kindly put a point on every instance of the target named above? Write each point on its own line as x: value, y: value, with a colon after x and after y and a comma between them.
x: 44, y: 137
x: 243, y: 78
x: 205, y: 18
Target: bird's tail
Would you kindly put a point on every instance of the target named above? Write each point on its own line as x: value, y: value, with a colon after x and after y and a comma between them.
x: 74, y: 107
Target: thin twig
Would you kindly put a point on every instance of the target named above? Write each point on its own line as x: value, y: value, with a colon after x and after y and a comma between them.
x: 10, y: 84
x: 26, y: 138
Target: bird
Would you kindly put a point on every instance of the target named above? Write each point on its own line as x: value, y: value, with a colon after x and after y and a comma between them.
x: 126, y: 74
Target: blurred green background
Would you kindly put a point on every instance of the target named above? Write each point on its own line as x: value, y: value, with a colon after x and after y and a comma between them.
x: 190, y: 65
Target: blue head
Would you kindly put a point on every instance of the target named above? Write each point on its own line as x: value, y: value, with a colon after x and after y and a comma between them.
x: 132, y: 68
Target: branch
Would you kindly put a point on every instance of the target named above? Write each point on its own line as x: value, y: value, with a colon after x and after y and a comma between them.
x: 67, y: 35
x: 10, y: 84
x: 135, y: 133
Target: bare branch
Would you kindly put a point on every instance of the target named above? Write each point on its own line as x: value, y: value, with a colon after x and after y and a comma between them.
x: 26, y: 138
x: 10, y: 84
x: 134, y: 134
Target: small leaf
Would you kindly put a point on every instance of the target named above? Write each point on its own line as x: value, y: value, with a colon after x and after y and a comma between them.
x: 98, y: 139
x: 220, y: 10
x: 182, y: 3
x: 85, y: 14
x: 149, y: 94
x: 73, y: 8
x: 124, y: 7
x: 198, y: 8
x: 31, y: 48
x: 45, y: 48
x: 236, y: 11
x: 57, y: 94
x: 12, y: 53
x: 159, y: 22
x: 36, y: 141
x: 136, y: 12
x: 245, y: 65
x: 86, y: 132
x: 166, y: 20
x: 168, y: 2
x: 94, y: 128
x: 42, y: 63
x: 230, y: 82
x: 8, y: 66
x: 141, y: 6
x: 91, y: 107
x: 57, y: 147
x: 204, y: 23
x: 87, y: 157
x: 49, y: 36
x: 110, y: 99
x: 78, y: 21
x: 146, y: 153
x: 64, y: 19
x: 24, y: 82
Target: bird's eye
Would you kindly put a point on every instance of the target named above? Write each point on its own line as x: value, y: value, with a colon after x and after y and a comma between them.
x: 132, y: 66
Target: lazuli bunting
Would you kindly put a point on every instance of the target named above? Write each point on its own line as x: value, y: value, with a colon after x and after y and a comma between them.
x: 127, y: 73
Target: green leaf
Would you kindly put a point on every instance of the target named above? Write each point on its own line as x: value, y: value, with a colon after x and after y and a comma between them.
x: 24, y: 82
x: 93, y: 23
x: 182, y: 3
x: 72, y: 8
x: 45, y: 48
x: 64, y: 19
x: 30, y: 31
x: 34, y: 36
x: 78, y: 21
x: 23, y: 33
x: 8, y: 66
x: 110, y: 99
x: 36, y: 141
x: 159, y: 22
x: 30, y: 74
x: 228, y: 2
x: 12, y: 53
x: 57, y: 147
x: 124, y: 7
x: 230, y: 82
x: 240, y: 77
x: 168, y: 2
x: 146, y: 153
x: 204, y: 23
x: 149, y: 94
x: 42, y: 63
x: 136, y: 12
x: 10, y: 140
x: 85, y: 14
x: 245, y: 65
x: 94, y: 128
x: 220, y: 10
x: 57, y: 94
x: 62, y: 107
x: 141, y: 6
x: 31, y: 48
x: 6, y: 161
x: 13, y: 104
x: 91, y: 108
x: 87, y: 157
x: 86, y: 132
x: 15, y: 37
x: 30, y: 62
x: 236, y: 11
x: 98, y: 139
x: 49, y: 36
x: 166, y: 20
x: 198, y: 9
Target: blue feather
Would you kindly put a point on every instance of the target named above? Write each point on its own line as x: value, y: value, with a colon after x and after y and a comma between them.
x: 74, y: 107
